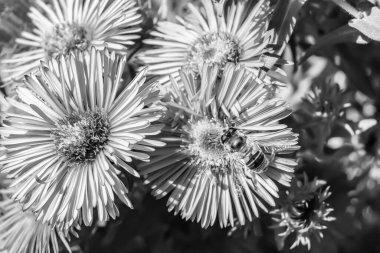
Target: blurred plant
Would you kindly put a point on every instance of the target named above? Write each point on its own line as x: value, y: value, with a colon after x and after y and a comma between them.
x: 12, y: 19
x: 366, y: 19
x: 303, y: 212
x: 325, y: 103
x: 362, y: 167
x: 321, y: 116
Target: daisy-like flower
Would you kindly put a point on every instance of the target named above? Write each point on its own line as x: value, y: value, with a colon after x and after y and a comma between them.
x: 210, y: 35
x: 225, y: 147
x: 325, y: 102
x: 362, y: 164
x: 21, y: 233
x: 3, y: 108
x: 66, y: 25
x: 304, y: 211
x: 74, y: 135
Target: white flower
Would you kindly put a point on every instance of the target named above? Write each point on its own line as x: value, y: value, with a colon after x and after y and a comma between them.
x: 60, y: 27
x: 210, y: 35
x: 208, y: 173
x: 21, y: 233
x: 304, y: 212
x: 73, y: 135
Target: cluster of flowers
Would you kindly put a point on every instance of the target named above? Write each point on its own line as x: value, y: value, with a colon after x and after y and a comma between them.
x: 207, y: 134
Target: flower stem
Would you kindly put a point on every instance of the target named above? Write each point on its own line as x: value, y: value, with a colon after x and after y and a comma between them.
x: 347, y: 7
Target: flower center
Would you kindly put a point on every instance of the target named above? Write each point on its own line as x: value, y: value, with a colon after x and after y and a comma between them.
x: 303, y: 210
x: 64, y: 38
x: 214, y: 48
x: 81, y: 136
x: 205, y: 142
x: 325, y: 109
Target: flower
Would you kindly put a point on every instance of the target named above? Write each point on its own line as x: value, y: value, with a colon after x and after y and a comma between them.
x: 205, y: 175
x: 325, y: 102
x: 210, y: 36
x: 63, y: 26
x: 4, y: 107
x: 65, y: 150
x: 304, y: 211
x: 362, y: 167
x: 19, y: 230
x: 21, y: 233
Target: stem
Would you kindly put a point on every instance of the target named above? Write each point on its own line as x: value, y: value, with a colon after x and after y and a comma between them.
x: 347, y: 7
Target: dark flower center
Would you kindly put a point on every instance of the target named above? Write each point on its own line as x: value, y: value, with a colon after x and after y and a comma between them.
x: 81, y: 136
x: 65, y: 38
x: 303, y: 210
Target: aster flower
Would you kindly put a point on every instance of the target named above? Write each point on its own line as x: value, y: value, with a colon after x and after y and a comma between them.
x: 65, y: 150
x: 210, y: 35
x: 326, y: 102
x: 3, y: 108
x: 204, y: 174
x: 66, y: 25
x: 304, y: 211
x: 21, y: 233
x: 322, y: 118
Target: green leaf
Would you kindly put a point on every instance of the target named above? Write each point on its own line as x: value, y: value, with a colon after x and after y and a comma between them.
x: 368, y: 24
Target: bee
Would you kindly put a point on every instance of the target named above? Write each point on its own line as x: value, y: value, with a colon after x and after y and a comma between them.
x: 255, y: 158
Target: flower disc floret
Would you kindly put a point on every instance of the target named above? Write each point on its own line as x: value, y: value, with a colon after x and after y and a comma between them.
x: 217, y: 47
x: 79, y: 137
x: 205, y: 141
x: 64, y: 38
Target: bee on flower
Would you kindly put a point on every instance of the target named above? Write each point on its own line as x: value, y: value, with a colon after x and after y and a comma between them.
x: 73, y: 135
x: 59, y: 27
x: 211, y: 35
x: 303, y: 212
x: 225, y: 148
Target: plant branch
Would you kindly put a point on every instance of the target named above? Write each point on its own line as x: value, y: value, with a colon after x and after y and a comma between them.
x: 347, y: 7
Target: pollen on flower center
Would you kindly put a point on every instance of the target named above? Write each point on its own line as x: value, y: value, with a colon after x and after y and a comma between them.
x: 81, y: 136
x: 64, y: 38
x: 214, y: 48
x: 205, y: 140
